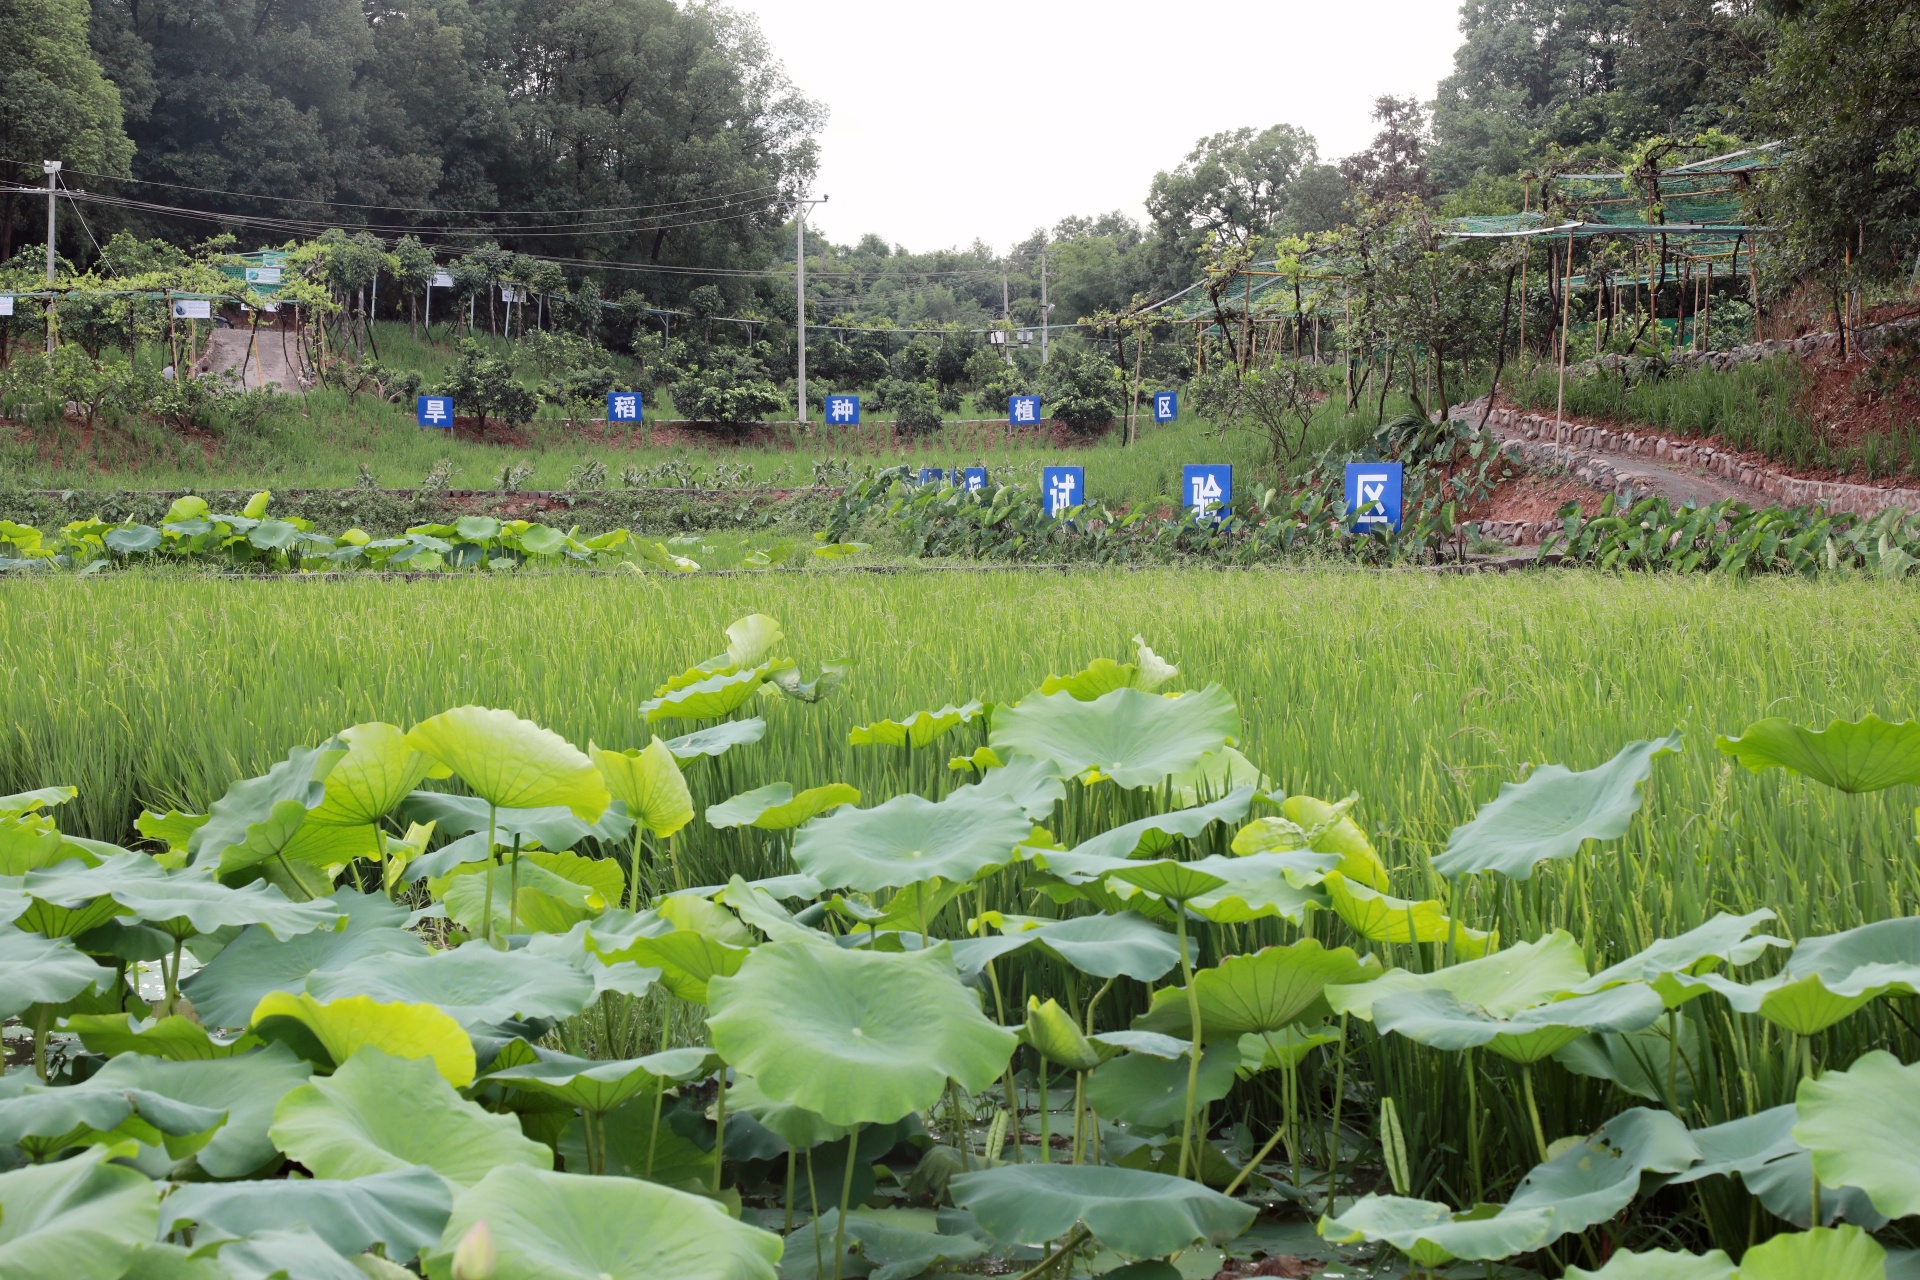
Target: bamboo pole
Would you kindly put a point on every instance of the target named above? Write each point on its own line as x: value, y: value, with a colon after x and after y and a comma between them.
x: 1566, y: 311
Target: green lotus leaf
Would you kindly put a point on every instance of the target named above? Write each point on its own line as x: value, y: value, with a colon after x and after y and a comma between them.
x: 1501, y: 985
x: 629, y: 1145
x: 292, y: 1253
x: 30, y: 841
x: 1149, y: 1092
x: 858, y: 1037
x: 1101, y: 676
x: 13, y: 900
x: 1307, y: 823
x: 78, y: 1219
x: 331, y: 848
x: 1724, y: 939
x: 512, y: 763
x: 75, y: 895
x: 44, y: 1119
x: 799, y: 1128
x: 687, y: 959
x: 379, y: 770
x: 256, y: 818
x: 339, y: 1029
x: 174, y: 1038
x: 378, y: 1113
x: 1287, y: 1047
x: 1860, y: 755
x: 1215, y: 774
x: 1829, y: 977
x: 710, y: 696
x: 529, y: 894
x: 550, y: 827
x: 155, y: 1261
x: 1134, y: 1213
x: 1594, y: 1179
x: 1379, y: 918
x: 1437, y: 1017
x: 36, y: 970
x: 1778, y: 1171
x: 23, y: 802
x: 777, y: 807
x: 717, y: 739
x: 1035, y: 785
x: 225, y: 992
x: 1863, y: 1127
x: 404, y: 1209
x: 912, y: 910
x: 1661, y: 1264
x: 1263, y: 886
x: 189, y: 903
x: 172, y: 828
x: 1642, y: 1063
x: 1832, y: 1253
x: 649, y: 784
x: 1267, y: 991
x: 910, y: 839
x: 1155, y: 834
x: 1784, y: 1188
x: 475, y: 985
x: 1553, y: 813
x: 750, y: 640
x: 1133, y: 737
x: 893, y: 1249
x: 1054, y: 1035
x: 1104, y: 946
x: 597, y: 1086
x: 558, y: 1226
x: 1432, y: 1234
x: 247, y: 1087
x: 921, y: 729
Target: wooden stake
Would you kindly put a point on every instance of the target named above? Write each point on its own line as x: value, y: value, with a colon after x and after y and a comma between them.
x: 1566, y: 308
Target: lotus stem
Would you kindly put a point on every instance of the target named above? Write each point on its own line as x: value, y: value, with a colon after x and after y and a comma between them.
x: 42, y: 1013
x: 720, y: 1129
x: 513, y: 888
x: 1095, y: 1002
x: 171, y: 977
x: 813, y: 1202
x: 1339, y: 1094
x: 633, y: 867
x: 1046, y: 1118
x: 1193, y: 1050
x: 380, y: 842
x: 793, y: 1158
x: 1079, y: 1111
x: 846, y: 1194
x: 1473, y: 1128
x: 306, y: 895
x: 1066, y: 1248
x: 653, y: 1134
x: 1533, y: 1110
x: 488, y: 911
x: 1273, y: 1140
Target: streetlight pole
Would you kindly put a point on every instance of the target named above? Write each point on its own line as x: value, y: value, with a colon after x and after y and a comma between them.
x: 800, y: 301
x: 1046, y: 310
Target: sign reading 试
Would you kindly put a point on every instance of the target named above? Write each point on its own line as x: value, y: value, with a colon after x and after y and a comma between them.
x: 1166, y: 406
x: 1062, y: 488
x: 624, y: 406
x: 434, y: 411
x: 1207, y: 487
x: 843, y: 411
x: 1023, y: 411
x: 1375, y: 495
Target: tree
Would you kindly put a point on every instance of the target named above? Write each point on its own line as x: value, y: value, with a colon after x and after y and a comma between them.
x: 1275, y: 401
x: 1394, y: 167
x: 1232, y: 185
x: 1082, y: 389
x: 413, y: 267
x: 54, y: 103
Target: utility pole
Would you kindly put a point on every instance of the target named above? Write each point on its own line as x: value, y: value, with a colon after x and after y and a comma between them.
x: 1046, y: 308
x: 800, y: 301
x: 52, y: 169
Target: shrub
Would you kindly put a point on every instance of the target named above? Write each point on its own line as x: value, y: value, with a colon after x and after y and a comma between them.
x: 1082, y: 390
x: 727, y: 387
x: 915, y: 405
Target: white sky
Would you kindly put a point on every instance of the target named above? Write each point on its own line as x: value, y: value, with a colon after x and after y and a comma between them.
x: 936, y: 107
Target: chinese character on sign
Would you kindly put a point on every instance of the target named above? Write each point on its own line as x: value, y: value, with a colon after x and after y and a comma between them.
x: 1166, y: 406
x: 843, y: 411
x: 1374, y: 495
x: 932, y: 475
x: 434, y: 411
x: 976, y: 479
x: 1207, y: 487
x: 1062, y: 488
x: 623, y: 406
x: 1023, y: 411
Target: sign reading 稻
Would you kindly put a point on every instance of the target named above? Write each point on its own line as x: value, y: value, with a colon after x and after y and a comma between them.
x: 623, y: 406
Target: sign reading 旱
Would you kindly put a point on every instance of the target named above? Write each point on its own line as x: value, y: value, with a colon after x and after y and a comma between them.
x: 434, y: 411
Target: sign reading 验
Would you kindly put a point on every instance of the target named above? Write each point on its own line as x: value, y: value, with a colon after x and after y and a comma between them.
x: 843, y: 411
x: 434, y: 411
x: 1023, y: 411
x: 192, y: 309
x: 1166, y: 406
x: 1374, y: 495
x: 623, y: 406
x: 1062, y: 488
x: 1207, y: 487
x: 975, y: 480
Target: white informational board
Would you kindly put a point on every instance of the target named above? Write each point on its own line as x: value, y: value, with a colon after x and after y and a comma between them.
x: 6, y: 304
x: 263, y: 275
x: 192, y: 309
x: 510, y: 294
x: 441, y: 280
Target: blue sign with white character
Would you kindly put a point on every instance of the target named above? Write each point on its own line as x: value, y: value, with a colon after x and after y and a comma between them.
x: 932, y: 475
x: 975, y: 479
x: 1166, y: 406
x: 1374, y: 495
x: 1023, y: 411
x: 434, y: 411
x: 843, y: 411
x: 1208, y: 489
x: 1062, y: 488
x: 623, y: 406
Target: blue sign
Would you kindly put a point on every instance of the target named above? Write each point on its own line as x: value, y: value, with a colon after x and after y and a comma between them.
x: 1062, y: 488
x: 975, y: 480
x: 932, y: 475
x: 843, y: 411
x: 1023, y: 411
x: 623, y: 406
x: 1205, y: 488
x: 434, y: 411
x: 1166, y: 406
x: 1376, y: 487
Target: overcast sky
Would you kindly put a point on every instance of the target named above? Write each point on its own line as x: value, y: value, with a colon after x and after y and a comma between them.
x: 937, y: 109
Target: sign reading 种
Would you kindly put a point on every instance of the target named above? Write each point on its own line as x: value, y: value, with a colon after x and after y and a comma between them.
x: 843, y: 411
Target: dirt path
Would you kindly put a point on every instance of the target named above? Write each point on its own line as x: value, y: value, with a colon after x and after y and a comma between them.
x: 256, y: 361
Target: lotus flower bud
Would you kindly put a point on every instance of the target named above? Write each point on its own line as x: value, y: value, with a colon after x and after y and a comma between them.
x: 474, y: 1258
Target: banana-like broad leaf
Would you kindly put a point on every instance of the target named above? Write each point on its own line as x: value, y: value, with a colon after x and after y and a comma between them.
x: 1863, y: 1127
x: 225, y: 992
x: 776, y: 807
x: 1669, y: 962
x: 858, y: 1037
x: 331, y: 1032
x: 36, y: 970
x: 1155, y: 834
x: 1553, y: 813
x: 718, y: 739
x: 1661, y: 1264
x: 1104, y: 946
x: 1379, y: 918
x: 1594, y: 1179
x: 378, y: 1114
x: 247, y: 1087
x: 512, y: 763
x: 1149, y: 1092
x: 1437, y: 1017
x: 380, y: 769
x: 1433, y: 1235
x: 910, y: 839
x: 1267, y: 991
x: 1501, y: 985
x: 257, y: 817
x: 1832, y: 1253
x: 1134, y: 1213
x: 78, y: 1219
x: 403, y: 1209
x: 193, y: 902
x: 1133, y: 737
x: 1860, y: 755
x: 558, y: 1226
x: 596, y: 1086
x: 921, y: 729
x: 649, y: 784
x: 1829, y: 977
x: 475, y: 985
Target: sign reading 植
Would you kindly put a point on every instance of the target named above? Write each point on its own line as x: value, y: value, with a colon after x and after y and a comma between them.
x: 1023, y: 411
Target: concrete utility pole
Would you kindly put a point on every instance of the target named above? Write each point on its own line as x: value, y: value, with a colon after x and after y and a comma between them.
x: 800, y: 301
x: 1046, y: 309
x: 52, y: 169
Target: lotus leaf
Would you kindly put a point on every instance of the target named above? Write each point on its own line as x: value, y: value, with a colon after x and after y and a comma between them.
x: 799, y: 1128
x: 557, y: 1226
x: 380, y: 769
x: 190, y: 902
x: 1287, y: 1047
x: 857, y: 1037
x: 1670, y: 961
x: 377, y: 1114
x: 33, y: 801
x: 475, y: 985
x: 36, y: 970
x: 649, y: 784
x: 1157, y: 833
x: 171, y: 1262
x: 1594, y: 1179
x: 777, y: 808
x: 1432, y: 1234
x: 341, y: 1028
x: 247, y: 1087
x: 1105, y: 946
x: 1778, y: 1171
x: 1215, y: 774
x: 718, y: 739
x: 1832, y: 1253
x: 257, y: 817
x: 1861, y: 755
x: 280, y: 1254
x: 172, y: 828
x: 1101, y: 676
x: 1642, y: 1063
x: 1134, y: 1213
x: 1149, y: 1092
x: 174, y: 1038
x: 1553, y: 813
x: 529, y: 894
x: 1437, y: 1017
x: 1660, y: 1264
x: 1032, y: 784
x: 677, y: 1153
x: 550, y: 827
x: 894, y: 1250
x: 687, y: 960
x: 1267, y: 991
x: 225, y: 992
x: 1151, y: 1043
x: 331, y: 847
x: 1379, y: 918
x: 597, y: 1086
x: 78, y: 1219
x: 1501, y: 985
x: 921, y: 729
x: 708, y: 698
x: 1863, y: 1127
x: 910, y: 839
x: 74, y: 895
x: 404, y: 1209
x: 1133, y: 737
x: 512, y: 763
x: 45, y: 1119
x: 1829, y: 977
